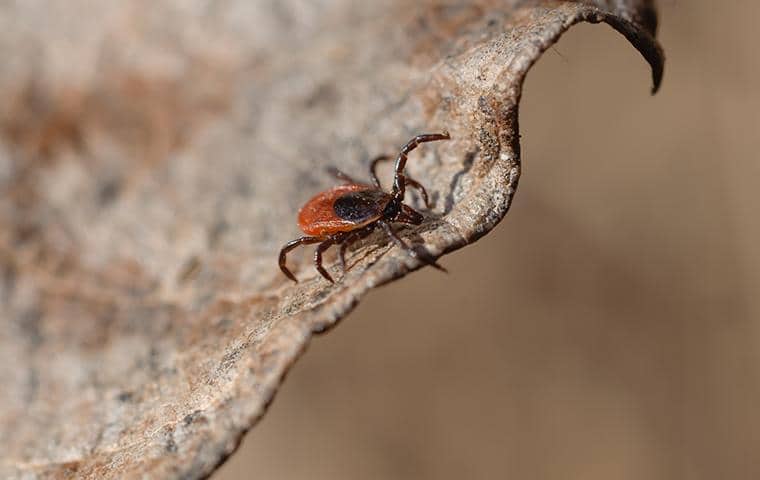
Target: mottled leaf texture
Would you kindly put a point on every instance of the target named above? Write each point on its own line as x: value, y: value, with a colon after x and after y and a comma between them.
x: 153, y: 156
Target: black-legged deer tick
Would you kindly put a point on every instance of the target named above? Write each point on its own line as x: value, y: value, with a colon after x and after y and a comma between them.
x: 349, y: 212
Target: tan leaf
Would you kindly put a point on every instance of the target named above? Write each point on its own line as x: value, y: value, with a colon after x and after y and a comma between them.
x: 152, y: 161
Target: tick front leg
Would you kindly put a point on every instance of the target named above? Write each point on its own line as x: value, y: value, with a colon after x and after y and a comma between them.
x: 373, y: 169
x: 407, y: 181
x: 290, y: 246
x: 411, y: 251
x: 398, y: 184
x: 420, y: 188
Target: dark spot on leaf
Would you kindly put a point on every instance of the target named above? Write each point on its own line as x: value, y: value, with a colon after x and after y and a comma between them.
x: 323, y: 96
x: 109, y: 190
x: 191, y: 418
x: 171, y: 446
x: 189, y: 270
x: 125, y: 397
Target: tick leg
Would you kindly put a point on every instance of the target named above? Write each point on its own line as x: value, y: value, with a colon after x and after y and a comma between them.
x: 411, y: 251
x: 290, y: 246
x: 420, y: 188
x: 407, y: 181
x: 350, y: 239
x: 398, y: 182
x: 342, y: 252
x: 373, y: 169
x: 318, y: 256
x: 340, y: 175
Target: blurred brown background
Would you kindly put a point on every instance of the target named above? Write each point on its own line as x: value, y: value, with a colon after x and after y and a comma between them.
x: 608, y: 328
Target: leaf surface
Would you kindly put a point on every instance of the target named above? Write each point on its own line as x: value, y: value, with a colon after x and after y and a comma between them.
x: 153, y: 158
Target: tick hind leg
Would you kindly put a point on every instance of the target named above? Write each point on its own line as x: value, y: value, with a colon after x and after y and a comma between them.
x: 410, y: 250
x: 290, y: 246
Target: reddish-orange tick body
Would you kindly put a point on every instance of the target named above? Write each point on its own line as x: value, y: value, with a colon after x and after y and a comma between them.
x: 349, y: 212
x: 342, y: 209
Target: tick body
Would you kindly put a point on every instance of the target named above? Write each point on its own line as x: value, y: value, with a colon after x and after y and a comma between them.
x: 342, y: 209
x: 346, y: 213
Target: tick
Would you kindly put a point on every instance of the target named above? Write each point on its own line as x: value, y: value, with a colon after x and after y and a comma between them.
x: 349, y: 212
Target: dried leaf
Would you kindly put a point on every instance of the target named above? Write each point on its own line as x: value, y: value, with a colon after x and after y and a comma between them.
x: 152, y: 160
